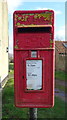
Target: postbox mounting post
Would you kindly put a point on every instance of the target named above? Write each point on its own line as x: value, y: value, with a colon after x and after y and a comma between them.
x: 32, y: 113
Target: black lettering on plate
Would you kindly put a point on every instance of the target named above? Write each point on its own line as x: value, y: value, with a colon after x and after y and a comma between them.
x: 34, y: 74
x: 32, y: 65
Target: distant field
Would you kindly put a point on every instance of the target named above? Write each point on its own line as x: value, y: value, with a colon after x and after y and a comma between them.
x: 11, y: 66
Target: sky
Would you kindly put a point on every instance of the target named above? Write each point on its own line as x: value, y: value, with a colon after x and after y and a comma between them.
x: 57, y: 6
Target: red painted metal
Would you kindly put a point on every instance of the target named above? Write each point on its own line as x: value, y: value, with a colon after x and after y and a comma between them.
x: 34, y: 31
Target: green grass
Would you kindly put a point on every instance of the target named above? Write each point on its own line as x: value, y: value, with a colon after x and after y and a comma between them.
x: 10, y: 111
x: 62, y: 88
x: 61, y: 75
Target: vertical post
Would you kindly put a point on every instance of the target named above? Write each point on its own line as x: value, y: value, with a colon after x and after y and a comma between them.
x: 33, y: 114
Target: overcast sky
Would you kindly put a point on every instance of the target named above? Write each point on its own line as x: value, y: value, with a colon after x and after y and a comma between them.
x: 58, y: 6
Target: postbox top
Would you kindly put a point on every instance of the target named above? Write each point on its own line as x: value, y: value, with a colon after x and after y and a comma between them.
x: 34, y: 18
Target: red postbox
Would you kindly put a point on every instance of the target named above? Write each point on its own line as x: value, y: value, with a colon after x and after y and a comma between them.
x: 34, y: 58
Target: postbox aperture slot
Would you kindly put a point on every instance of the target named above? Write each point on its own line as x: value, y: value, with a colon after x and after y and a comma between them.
x: 34, y: 74
x: 34, y: 29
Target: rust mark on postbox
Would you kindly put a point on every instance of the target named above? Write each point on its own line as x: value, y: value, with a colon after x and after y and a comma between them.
x: 34, y: 58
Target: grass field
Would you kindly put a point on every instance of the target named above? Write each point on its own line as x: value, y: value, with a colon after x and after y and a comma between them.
x: 10, y: 111
x: 61, y: 75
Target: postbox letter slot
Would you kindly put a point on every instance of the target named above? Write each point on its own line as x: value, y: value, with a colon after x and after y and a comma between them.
x: 34, y: 29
